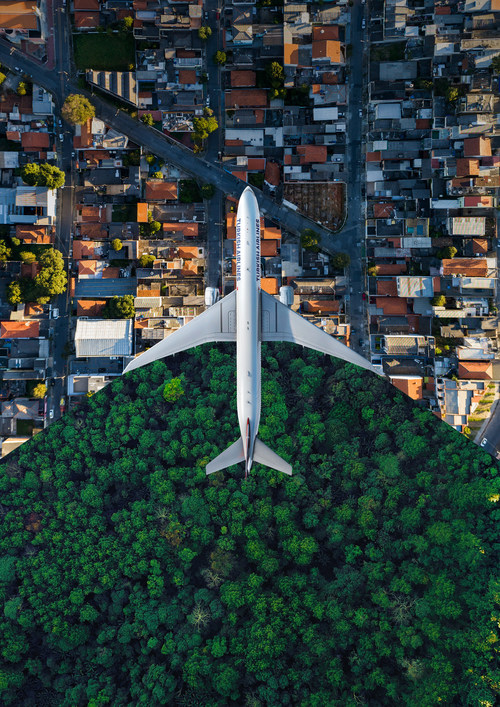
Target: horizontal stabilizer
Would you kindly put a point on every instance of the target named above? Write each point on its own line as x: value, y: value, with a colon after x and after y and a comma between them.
x: 232, y: 455
x: 263, y: 455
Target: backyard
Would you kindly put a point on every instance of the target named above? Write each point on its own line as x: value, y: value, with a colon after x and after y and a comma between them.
x: 105, y: 52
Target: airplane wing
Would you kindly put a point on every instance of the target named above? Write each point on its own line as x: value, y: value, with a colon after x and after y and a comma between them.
x: 217, y: 323
x: 279, y: 323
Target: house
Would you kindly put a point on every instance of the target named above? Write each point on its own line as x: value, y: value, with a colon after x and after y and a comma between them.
x: 103, y: 338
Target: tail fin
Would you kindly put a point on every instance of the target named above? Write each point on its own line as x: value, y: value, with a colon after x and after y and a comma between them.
x: 263, y: 455
x: 232, y: 455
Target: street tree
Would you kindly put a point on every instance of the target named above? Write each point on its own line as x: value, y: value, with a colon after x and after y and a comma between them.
x: 116, y: 244
x: 220, y: 58
x: 147, y: 119
x: 309, y: 239
x: 77, y: 109
x: 39, y: 391
x: 204, y: 32
x: 340, y: 261
x: 43, y: 175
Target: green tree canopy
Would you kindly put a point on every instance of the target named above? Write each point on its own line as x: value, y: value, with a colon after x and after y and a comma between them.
x: 208, y: 191
x: 43, y: 175
x: 77, y: 109
x: 127, y: 24
x: 40, y: 390
x: 21, y: 88
x: 340, y: 261
x: 204, y: 32
x: 147, y: 119
x: 220, y: 58
x: 204, y: 126
x: 146, y: 260
x: 119, y: 308
x: 127, y: 576
x: 5, y: 251
x: 116, y: 244
x: 309, y: 239
x: 439, y: 301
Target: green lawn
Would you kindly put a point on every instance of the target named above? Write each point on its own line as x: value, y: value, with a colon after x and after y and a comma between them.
x: 24, y: 428
x: 104, y: 52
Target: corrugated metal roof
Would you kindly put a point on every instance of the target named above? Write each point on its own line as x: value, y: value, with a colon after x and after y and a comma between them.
x: 413, y: 286
x: 103, y: 337
x: 147, y: 302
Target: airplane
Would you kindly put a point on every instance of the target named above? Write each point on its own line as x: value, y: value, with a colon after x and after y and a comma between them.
x: 248, y: 316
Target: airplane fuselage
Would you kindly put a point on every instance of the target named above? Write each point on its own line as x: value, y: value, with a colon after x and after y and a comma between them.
x: 248, y: 335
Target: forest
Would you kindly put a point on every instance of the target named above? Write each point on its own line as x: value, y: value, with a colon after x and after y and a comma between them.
x: 129, y: 577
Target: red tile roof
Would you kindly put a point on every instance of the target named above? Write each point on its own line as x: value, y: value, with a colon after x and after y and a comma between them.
x: 35, y: 141
x: 19, y: 330
x: 392, y: 306
x: 325, y: 32
x: 90, y: 307
x: 269, y: 285
x: 477, y: 146
x: 410, y: 386
x: 272, y: 174
x: 187, y: 76
x: 84, y: 20
x: 479, y: 370
x: 241, y: 79
x: 470, y: 267
x: 34, y: 234
x: 387, y: 287
x: 161, y: 191
x: 241, y: 98
x: 312, y: 153
x: 385, y: 210
x: 391, y: 269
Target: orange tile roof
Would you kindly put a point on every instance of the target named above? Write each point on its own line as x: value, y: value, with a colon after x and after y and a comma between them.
x: 87, y: 19
x: 385, y: 210
x: 110, y: 272
x: 272, y: 174
x: 312, y: 153
x: 392, y: 306
x: 373, y: 156
x: 480, y: 246
x: 269, y: 285
x: 467, y: 167
x: 327, y: 49
x: 86, y: 5
x: 34, y: 234
x: 259, y: 116
x: 151, y: 292
x: 257, y: 163
x: 33, y: 310
x: 291, y: 54
x: 268, y: 248
x: 410, y: 386
x: 187, y: 76
x: 243, y: 78
x: 187, y: 229
x: 188, y: 252
x: 85, y: 137
x: 436, y: 282
x: 481, y: 370
x: 83, y: 249
x: 470, y: 267
x: 391, y: 269
x: 142, y: 212
x: 322, y: 306
x: 13, y: 135
x: 325, y: 32
x: 35, y: 141
x: 246, y: 98
x: 93, y: 230
x: 19, y: 330
x: 15, y: 14
x: 477, y: 147
x: 93, y: 213
x: 240, y: 174
x: 270, y: 232
x: 330, y: 78
x: 87, y: 267
x: 90, y: 307
x: 189, y: 268
x: 476, y: 200
x: 387, y: 287
x: 233, y: 143
x: 160, y: 191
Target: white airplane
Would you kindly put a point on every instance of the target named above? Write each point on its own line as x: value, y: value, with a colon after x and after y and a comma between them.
x: 248, y: 316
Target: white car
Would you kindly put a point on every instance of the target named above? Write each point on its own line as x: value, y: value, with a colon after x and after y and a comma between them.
x: 360, y: 113
x: 51, y: 414
x: 55, y: 313
x: 483, y: 441
x: 363, y: 23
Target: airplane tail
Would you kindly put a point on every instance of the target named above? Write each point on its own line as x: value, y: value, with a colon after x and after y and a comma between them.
x: 261, y: 454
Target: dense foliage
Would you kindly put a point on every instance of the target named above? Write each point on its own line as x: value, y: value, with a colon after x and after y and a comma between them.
x: 77, y: 109
x: 119, y: 307
x: 367, y: 578
x: 50, y: 280
x: 43, y: 175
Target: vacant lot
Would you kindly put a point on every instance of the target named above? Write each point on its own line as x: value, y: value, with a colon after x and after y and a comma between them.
x: 104, y: 52
x: 321, y: 201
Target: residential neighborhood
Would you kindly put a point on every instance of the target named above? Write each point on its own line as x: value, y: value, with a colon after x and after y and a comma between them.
x: 369, y: 132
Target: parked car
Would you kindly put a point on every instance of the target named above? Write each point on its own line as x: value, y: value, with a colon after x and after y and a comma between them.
x: 55, y: 313
x: 483, y: 441
x: 360, y: 112
x: 363, y: 23
x: 51, y: 414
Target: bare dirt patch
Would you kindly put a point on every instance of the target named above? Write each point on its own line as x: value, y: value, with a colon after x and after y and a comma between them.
x: 321, y: 201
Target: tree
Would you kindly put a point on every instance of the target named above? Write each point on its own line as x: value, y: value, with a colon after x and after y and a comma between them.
x: 5, y: 251
x: 173, y: 390
x: 52, y: 278
x: 204, y: 126
x: 43, y: 175
x: 14, y: 295
x: 147, y: 119
x: 39, y: 391
x: 309, y: 239
x: 77, y: 109
x: 151, y: 159
x: 2, y: 78
x: 116, y: 244
x: 208, y: 191
x: 439, y: 301
x: 447, y: 252
x: 27, y: 256
x: 146, y: 260
x: 220, y: 58
x: 154, y: 226
x: 340, y: 261
x: 119, y: 308
x: 127, y: 24
x: 21, y: 88
x: 452, y: 94
x: 204, y: 32
x: 157, y: 175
